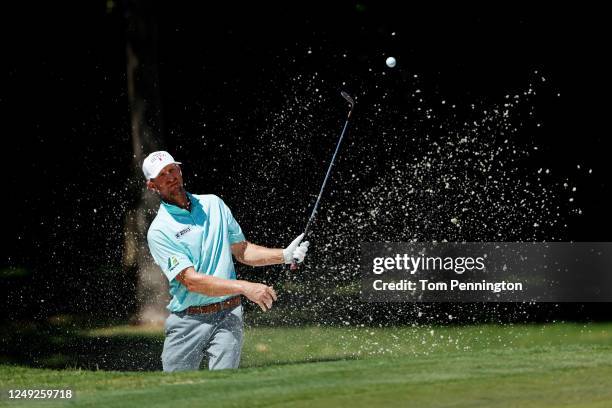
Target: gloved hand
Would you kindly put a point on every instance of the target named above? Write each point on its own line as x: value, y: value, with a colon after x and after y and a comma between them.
x: 295, y: 250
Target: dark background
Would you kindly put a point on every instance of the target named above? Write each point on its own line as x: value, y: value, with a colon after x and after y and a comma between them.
x: 227, y: 73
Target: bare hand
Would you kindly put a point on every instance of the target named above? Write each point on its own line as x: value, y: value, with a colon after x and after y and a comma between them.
x: 261, y: 294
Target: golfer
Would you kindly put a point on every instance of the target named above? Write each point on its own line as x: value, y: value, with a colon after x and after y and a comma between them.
x: 192, y: 239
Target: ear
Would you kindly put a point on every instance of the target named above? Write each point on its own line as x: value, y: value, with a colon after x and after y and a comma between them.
x: 151, y: 187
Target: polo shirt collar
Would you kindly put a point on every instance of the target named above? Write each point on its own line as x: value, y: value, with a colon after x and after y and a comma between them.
x: 176, y: 210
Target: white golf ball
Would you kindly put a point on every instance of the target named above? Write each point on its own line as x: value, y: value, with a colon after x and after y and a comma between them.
x: 390, y: 62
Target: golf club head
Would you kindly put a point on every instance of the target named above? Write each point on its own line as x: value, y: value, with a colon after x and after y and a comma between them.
x: 348, y: 98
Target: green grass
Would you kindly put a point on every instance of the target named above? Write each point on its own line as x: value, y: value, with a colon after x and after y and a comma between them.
x: 558, y: 365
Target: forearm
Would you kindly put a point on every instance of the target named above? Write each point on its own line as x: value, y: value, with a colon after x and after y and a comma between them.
x: 213, y: 286
x: 255, y: 255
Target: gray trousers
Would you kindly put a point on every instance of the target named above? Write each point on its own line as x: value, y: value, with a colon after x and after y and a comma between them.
x: 190, y: 337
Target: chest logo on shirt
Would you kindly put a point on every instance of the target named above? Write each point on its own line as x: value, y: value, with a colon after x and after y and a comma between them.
x: 172, y: 262
x: 182, y: 232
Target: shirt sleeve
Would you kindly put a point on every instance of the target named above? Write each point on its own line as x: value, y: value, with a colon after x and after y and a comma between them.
x: 234, y: 230
x: 170, y: 257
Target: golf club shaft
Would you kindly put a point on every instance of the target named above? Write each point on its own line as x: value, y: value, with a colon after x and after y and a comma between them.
x: 316, y: 206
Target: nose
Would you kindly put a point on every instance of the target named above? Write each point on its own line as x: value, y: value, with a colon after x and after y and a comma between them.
x: 172, y: 179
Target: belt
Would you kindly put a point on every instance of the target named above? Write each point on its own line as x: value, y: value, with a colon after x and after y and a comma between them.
x: 215, y: 307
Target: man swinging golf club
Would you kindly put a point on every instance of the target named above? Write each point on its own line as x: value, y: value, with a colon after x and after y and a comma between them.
x: 192, y: 239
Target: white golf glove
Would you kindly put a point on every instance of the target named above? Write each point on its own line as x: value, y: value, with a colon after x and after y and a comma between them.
x: 295, y: 250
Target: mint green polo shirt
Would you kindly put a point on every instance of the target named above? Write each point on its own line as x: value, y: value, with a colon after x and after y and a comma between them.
x: 201, y: 238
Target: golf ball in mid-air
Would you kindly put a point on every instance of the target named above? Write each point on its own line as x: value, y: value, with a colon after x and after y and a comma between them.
x: 390, y: 62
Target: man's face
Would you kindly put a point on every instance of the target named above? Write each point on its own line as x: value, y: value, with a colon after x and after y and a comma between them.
x: 168, y: 182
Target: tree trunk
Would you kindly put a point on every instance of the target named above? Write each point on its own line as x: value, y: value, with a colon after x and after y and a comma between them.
x: 147, y: 136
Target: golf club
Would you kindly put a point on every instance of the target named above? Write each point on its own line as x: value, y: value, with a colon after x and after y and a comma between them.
x: 351, y: 102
